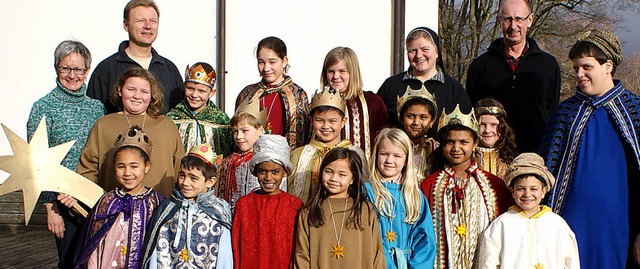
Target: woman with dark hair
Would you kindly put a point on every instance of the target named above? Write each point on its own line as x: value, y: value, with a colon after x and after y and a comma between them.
x: 69, y: 116
x: 285, y: 103
x: 497, y: 146
x: 426, y: 69
x: 338, y: 227
x: 138, y: 98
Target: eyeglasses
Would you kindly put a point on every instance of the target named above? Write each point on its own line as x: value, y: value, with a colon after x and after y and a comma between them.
x: 67, y: 70
x: 517, y: 20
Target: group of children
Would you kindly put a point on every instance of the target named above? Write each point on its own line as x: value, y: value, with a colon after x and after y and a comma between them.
x: 412, y: 202
x: 360, y: 213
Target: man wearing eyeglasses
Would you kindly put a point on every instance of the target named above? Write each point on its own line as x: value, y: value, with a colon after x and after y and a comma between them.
x: 141, y: 19
x: 516, y: 72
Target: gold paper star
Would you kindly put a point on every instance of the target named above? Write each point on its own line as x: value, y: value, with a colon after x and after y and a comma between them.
x: 391, y: 236
x: 538, y: 266
x: 337, y: 252
x: 123, y: 250
x: 461, y: 230
x: 184, y: 254
x: 36, y: 168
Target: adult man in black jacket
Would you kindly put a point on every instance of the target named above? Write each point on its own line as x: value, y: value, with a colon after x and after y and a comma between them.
x: 516, y: 72
x: 141, y: 19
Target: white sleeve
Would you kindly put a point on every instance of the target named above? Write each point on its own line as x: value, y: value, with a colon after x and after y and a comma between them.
x: 225, y: 253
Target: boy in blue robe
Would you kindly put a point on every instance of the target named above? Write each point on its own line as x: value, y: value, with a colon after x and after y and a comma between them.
x: 192, y: 229
x: 591, y: 146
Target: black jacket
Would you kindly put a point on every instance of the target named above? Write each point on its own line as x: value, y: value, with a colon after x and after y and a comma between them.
x: 529, y: 95
x: 448, y: 93
x: 106, y: 75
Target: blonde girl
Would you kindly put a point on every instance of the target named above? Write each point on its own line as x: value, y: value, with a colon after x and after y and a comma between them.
x: 403, y: 211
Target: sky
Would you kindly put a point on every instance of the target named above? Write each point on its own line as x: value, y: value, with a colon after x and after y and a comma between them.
x: 630, y: 34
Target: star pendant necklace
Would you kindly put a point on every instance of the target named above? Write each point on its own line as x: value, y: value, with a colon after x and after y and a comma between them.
x: 391, y: 235
x: 337, y: 251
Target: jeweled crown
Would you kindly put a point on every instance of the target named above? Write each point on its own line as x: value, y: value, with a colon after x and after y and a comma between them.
x: 457, y: 117
x: 328, y: 97
x: 252, y: 107
x: 134, y: 137
x: 411, y: 93
x: 198, y: 75
x: 207, y: 154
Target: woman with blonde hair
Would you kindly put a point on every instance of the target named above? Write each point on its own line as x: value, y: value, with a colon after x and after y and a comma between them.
x: 366, y: 113
x: 403, y: 211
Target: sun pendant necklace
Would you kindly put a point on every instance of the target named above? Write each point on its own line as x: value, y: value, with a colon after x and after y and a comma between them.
x: 144, y: 120
x: 337, y: 251
x: 459, y: 204
x: 391, y: 235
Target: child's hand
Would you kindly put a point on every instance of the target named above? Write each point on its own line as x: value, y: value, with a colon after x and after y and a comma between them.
x: 67, y: 200
x: 55, y: 224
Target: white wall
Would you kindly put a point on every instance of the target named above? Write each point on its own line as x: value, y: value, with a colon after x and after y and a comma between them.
x: 310, y: 29
x: 31, y: 29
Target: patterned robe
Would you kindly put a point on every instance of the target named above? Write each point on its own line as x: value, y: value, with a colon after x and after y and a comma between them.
x: 462, y: 208
x: 190, y: 233
x: 592, y: 148
x: 292, y: 99
x: 366, y: 116
x: 421, y: 152
x: 209, y: 126
x: 116, y: 212
x: 235, y: 178
x: 488, y: 160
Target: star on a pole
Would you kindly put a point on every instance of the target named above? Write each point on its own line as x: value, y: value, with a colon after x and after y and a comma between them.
x: 35, y: 168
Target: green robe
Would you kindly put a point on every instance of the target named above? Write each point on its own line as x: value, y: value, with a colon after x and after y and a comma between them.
x: 210, y: 126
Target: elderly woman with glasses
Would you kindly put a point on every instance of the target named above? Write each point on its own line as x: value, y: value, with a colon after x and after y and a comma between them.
x: 69, y: 115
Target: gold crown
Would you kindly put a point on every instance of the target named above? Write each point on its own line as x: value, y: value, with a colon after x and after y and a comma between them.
x: 134, y: 137
x: 198, y: 75
x: 328, y: 97
x: 251, y: 106
x: 207, y: 154
x: 457, y: 117
x: 411, y: 93
x: 490, y: 110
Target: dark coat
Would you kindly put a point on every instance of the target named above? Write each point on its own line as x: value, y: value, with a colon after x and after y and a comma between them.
x: 107, y: 73
x: 529, y: 95
x: 448, y: 93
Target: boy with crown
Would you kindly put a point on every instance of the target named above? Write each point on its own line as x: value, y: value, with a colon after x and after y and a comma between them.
x: 192, y: 229
x: 327, y: 116
x: 198, y: 119
x: 417, y: 113
x: 235, y: 176
x: 463, y: 198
